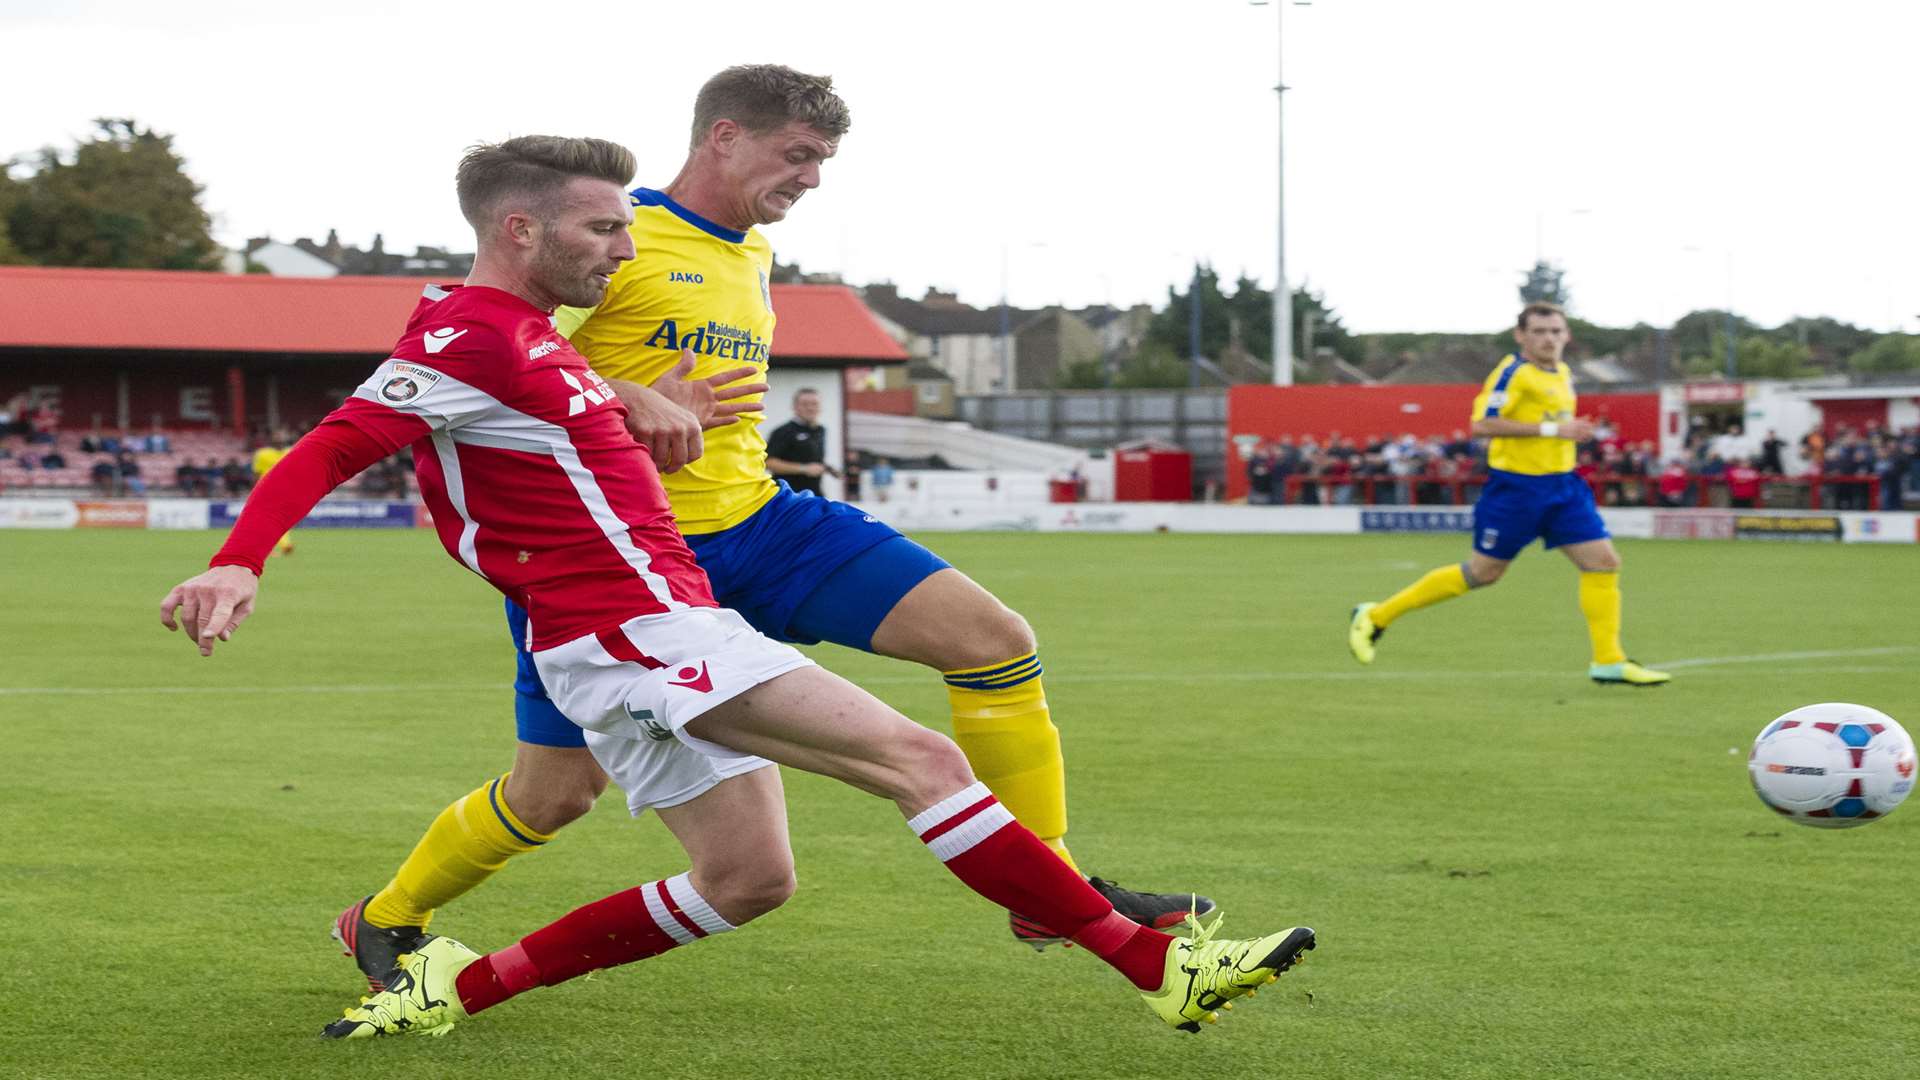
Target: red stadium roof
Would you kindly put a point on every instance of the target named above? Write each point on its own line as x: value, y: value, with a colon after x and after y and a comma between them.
x: 64, y: 308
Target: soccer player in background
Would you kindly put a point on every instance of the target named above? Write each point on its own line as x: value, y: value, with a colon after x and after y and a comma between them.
x: 536, y: 486
x: 265, y: 458
x: 799, y: 569
x: 1526, y: 411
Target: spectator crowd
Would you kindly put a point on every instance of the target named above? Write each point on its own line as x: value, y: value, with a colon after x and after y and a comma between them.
x: 1342, y: 470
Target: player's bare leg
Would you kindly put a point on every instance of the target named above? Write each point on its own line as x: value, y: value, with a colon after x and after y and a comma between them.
x: 735, y: 835
x: 552, y: 787
x: 1599, y: 566
x: 986, y: 652
x: 736, y: 838
x: 812, y: 719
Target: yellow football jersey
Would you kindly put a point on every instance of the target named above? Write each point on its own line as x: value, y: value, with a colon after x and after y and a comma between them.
x: 265, y: 458
x: 692, y: 284
x: 1524, y: 391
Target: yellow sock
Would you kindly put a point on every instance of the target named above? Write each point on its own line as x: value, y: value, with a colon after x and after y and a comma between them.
x: 462, y: 848
x: 1600, y: 603
x: 1443, y: 583
x: 1001, y: 722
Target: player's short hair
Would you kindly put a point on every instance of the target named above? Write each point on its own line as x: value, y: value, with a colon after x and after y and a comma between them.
x: 763, y: 97
x: 797, y: 394
x: 534, y: 168
x: 1538, y: 307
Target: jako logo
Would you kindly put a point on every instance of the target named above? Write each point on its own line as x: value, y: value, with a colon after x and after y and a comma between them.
x: 543, y: 349
x: 682, y: 275
x: 597, y: 394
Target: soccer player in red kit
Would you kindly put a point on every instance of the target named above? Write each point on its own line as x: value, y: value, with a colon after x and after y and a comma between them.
x: 535, y: 485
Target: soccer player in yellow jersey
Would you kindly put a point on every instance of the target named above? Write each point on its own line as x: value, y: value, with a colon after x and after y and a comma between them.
x: 688, y: 318
x: 264, y: 459
x: 1526, y: 411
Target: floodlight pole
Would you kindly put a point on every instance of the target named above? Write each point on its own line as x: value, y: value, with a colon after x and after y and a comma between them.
x: 1282, y: 295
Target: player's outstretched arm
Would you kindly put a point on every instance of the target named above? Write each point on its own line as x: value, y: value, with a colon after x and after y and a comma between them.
x: 212, y: 605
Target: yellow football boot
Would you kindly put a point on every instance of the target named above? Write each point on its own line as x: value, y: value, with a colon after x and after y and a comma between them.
x: 1204, y: 975
x: 419, y: 999
x: 1626, y: 673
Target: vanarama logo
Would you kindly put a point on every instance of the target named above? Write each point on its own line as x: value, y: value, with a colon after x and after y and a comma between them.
x: 715, y: 339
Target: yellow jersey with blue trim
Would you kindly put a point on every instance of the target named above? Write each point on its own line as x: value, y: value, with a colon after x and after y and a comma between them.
x: 1521, y: 390
x: 692, y: 284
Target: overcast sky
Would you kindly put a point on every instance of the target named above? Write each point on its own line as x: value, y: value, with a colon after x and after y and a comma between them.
x: 1670, y: 155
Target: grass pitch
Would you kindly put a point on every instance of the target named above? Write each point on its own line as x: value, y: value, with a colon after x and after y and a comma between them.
x: 1514, y: 873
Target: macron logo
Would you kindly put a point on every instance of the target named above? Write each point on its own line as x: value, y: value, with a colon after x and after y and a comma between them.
x: 435, y: 340
x: 543, y: 349
x: 694, y: 679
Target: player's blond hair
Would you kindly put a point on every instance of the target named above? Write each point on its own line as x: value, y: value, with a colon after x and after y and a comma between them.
x: 763, y: 97
x: 534, y: 168
x: 1541, y: 308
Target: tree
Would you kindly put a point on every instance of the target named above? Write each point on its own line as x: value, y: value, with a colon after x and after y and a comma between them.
x: 1892, y: 352
x: 10, y: 194
x: 1153, y: 364
x: 1247, y: 314
x: 123, y: 200
x: 1544, y: 284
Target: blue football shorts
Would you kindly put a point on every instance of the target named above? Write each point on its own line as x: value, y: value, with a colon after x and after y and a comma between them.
x: 1515, y: 509
x: 802, y: 569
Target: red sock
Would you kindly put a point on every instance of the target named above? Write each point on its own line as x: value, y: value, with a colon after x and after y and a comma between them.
x: 619, y: 929
x: 1001, y: 860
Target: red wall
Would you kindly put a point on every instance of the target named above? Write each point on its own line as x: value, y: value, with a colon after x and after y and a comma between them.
x: 1364, y: 411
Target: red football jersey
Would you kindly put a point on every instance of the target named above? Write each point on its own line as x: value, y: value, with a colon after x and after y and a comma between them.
x: 526, y: 464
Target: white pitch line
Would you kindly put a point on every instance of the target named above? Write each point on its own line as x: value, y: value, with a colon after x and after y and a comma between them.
x: 1077, y: 679
x: 1767, y: 658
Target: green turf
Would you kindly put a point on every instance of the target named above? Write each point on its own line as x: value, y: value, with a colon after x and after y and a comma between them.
x: 1515, y: 873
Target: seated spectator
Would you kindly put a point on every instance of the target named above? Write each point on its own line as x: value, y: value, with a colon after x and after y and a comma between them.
x: 235, y: 477
x: 90, y: 443
x: 45, y: 422
x: 192, y: 480
x: 105, y: 476
x: 112, y: 443
x: 156, y: 441
x: 130, y: 480
x: 53, y: 459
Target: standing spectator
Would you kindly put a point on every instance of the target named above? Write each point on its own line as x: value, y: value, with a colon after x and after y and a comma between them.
x: 1770, y: 461
x: 106, y: 476
x: 1260, y: 476
x: 797, y: 449
x: 881, y: 477
x: 1675, y: 482
x: 1743, y: 484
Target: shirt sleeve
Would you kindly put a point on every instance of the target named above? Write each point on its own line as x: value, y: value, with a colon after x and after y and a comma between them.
x: 1495, y: 394
x: 402, y: 395
x: 327, y: 457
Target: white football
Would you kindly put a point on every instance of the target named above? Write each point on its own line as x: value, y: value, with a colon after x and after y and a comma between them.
x: 1833, y: 765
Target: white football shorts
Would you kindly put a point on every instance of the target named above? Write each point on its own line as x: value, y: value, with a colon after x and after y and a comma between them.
x: 633, y: 689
